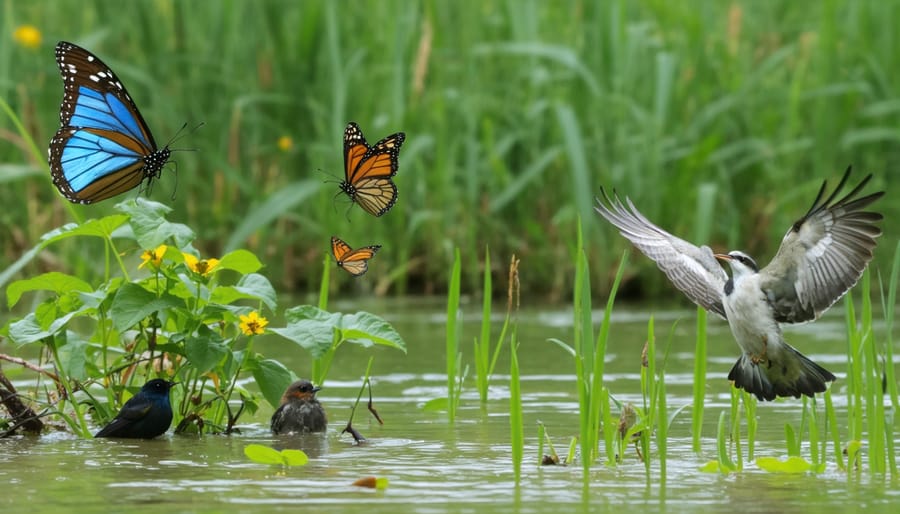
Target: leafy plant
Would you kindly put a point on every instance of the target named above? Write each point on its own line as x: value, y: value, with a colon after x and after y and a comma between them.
x: 321, y: 333
x: 182, y: 319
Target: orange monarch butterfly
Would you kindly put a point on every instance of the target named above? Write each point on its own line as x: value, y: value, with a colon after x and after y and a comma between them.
x: 354, y: 261
x: 368, y: 170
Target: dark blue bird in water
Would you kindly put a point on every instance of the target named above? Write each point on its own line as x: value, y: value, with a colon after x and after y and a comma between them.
x: 299, y: 411
x: 145, y: 416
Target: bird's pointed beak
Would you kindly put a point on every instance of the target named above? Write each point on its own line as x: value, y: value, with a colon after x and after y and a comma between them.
x: 316, y: 389
x: 722, y: 256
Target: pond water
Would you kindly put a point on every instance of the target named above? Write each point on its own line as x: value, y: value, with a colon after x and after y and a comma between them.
x: 433, y: 466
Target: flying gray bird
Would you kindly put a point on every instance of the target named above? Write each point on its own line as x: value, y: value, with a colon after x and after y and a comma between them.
x: 821, y: 257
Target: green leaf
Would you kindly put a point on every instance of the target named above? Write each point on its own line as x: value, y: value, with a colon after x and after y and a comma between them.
x: 272, y: 378
x: 205, y: 350
x: 791, y: 465
x: 242, y: 261
x: 563, y: 345
x: 294, y: 457
x: 28, y: 330
x: 59, y: 283
x: 150, y: 226
x: 310, y: 312
x: 133, y: 303
x: 367, y: 326
x: 102, y: 227
x: 263, y: 454
x: 258, y: 287
x: 73, y: 358
x: 310, y: 327
x: 710, y: 467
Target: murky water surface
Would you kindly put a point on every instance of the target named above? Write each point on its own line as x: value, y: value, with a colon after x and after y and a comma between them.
x: 436, y: 467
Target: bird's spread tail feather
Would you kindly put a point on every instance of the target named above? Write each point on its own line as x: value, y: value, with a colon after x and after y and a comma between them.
x: 792, y: 375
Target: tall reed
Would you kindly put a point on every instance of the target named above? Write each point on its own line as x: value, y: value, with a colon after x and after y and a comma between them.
x: 452, y: 340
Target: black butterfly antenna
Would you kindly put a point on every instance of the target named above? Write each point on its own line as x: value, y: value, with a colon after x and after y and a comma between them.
x: 337, y: 180
x: 180, y: 133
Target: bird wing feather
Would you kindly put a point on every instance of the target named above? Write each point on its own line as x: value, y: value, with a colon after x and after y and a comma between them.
x: 823, y: 254
x: 693, y: 270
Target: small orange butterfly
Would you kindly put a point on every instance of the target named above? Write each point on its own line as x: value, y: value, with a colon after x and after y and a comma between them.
x: 354, y: 261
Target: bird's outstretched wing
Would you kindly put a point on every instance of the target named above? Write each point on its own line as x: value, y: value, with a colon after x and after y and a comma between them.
x: 693, y: 270
x: 823, y: 254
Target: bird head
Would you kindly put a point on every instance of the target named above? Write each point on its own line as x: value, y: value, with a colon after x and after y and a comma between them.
x: 300, y: 390
x: 741, y: 263
x: 157, y: 387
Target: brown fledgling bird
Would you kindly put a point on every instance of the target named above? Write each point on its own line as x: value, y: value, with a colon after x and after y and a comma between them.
x: 299, y: 411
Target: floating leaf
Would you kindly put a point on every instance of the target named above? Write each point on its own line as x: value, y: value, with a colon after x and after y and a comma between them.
x: 710, y: 467
x: 372, y: 482
x: 264, y: 455
x: 791, y: 465
x: 294, y: 457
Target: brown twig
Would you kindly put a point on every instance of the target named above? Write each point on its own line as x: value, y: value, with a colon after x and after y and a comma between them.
x: 22, y: 415
x: 24, y: 363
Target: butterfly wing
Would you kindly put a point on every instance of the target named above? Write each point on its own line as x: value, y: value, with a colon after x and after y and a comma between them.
x: 103, y: 146
x: 368, y: 170
x: 354, y: 261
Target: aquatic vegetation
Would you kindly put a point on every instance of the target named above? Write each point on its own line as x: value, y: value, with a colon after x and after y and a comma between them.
x: 485, y: 359
x: 451, y: 349
x: 262, y: 454
x: 182, y: 317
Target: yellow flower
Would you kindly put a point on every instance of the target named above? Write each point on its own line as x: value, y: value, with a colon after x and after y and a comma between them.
x: 153, y: 256
x: 200, y: 266
x: 253, y: 324
x: 285, y: 143
x: 28, y: 36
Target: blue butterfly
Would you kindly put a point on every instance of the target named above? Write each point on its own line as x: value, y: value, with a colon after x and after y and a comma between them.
x: 103, y: 147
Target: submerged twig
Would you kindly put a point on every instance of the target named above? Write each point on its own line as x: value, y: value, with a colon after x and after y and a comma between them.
x: 22, y: 415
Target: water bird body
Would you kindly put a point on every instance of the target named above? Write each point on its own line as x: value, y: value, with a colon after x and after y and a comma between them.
x: 145, y: 415
x: 300, y: 411
x: 821, y: 257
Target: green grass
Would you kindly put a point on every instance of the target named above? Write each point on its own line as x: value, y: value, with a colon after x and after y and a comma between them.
x: 452, y: 353
x: 514, y: 120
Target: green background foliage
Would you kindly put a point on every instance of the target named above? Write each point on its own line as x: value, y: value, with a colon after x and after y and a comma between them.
x: 719, y: 119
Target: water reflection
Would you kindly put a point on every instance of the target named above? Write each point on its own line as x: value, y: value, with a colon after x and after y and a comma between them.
x: 433, y: 466
x: 315, y: 445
